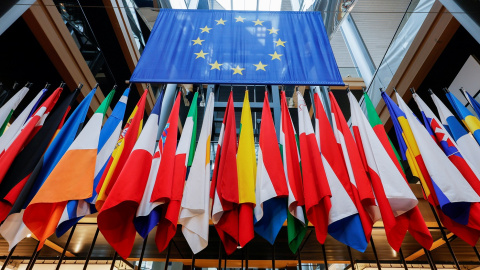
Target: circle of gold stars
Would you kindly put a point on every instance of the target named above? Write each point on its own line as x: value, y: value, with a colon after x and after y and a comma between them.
x: 239, y: 70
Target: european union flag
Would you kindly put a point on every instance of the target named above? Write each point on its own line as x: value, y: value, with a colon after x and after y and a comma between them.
x: 238, y: 47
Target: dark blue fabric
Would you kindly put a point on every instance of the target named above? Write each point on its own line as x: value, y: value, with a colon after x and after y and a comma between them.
x: 169, y: 56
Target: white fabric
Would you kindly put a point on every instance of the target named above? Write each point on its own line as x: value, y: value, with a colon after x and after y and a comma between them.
x: 12, y: 104
x: 195, y: 212
x: 264, y: 189
x: 14, y: 230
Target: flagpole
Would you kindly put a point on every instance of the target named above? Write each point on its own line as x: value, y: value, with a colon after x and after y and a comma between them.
x: 324, y: 256
x: 91, y: 249
x: 33, y: 256
x: 113, y: 261
x: 273, y: 257
x: 225, y: 262
x: 402, y: 258
x: 193, y: 261
x: 299, y: 260
x: 220, y: 256
x: 375, y: 253
x: 429, y: 259
x: 168, y: 255
x: 351, y: 257
x: 34, y: 259
x: 246, y: 257
x: 476, y: 252
x: 13, y: 249
x: 66, y: 246
x: 143, y: 252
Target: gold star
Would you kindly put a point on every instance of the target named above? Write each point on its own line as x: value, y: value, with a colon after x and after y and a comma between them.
x: 258, y: 22
x: 202, y: 54
x: 206, y: 29
x: 197, y: 41
x: 260, y: 66
x: 237, y: 70
x: 273, y: 31
x: 279, y: 42
x: 276, y: 56
x: 215, y: 65
x: 239, y: 19
x: 221, y: 21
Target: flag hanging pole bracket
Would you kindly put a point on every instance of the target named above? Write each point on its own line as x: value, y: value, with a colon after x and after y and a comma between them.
x: 446, y: 90
x: 80, y: 85
x: 114, y: 87
x: 413, y: 90
x: 15, y: 85
x: 96, y: 85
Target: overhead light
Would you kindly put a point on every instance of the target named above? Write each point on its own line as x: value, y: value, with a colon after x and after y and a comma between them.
x: 29, y: 235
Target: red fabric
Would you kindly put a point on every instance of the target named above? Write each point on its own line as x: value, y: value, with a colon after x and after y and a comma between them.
x: 331, y: 152
x: 225, y: 182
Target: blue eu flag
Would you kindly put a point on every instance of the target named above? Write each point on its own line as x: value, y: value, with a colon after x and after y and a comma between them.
x: 238, y: 47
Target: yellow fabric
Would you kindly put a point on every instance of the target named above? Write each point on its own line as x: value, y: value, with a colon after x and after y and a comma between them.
x: 117, y: 152
x: 472, y: 123
x: 412, y: 153
x: 246, y: 158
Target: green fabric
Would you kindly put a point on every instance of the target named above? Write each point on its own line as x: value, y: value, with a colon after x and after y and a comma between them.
x: 105, y: 103
x: 5, y: 124
x: 193, y: 114
x: 296, y: 231
x: 374, y: 120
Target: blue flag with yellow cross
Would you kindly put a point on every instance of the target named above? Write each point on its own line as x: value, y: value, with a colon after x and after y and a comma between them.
x: 238, y: 47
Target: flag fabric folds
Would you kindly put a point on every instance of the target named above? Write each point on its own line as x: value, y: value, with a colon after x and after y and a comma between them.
x: 271, y: 184
x: 224, y: 186
x: 360, y: 185
x: 16, y: 229
x: 472, y: 101
x: 247, y: 170
x: 315, y: 184
x: 468, y: 119
x: 71, y: 179
x: 465, y: 142
x: 296, y: 216
x: 9, y: 107
x: 410, y: 150
x: 347, y: 217
x: 199, y: 44
x: 15, y: 128
x: 397, y: 203
x: 170, y: 181
x: 195, y: 212
x: 115, y: 219
x: 77, y: 209
x: 123, y: 148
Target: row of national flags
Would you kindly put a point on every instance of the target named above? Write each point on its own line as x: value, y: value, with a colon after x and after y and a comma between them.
x: 55, y: 170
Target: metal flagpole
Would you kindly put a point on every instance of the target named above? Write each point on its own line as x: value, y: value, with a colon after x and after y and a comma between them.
x: 168, y: 255
x: 193, y: 262
x: 476, y: 252
x: 429, y: 259
x: 66, y: 246
x: 299, y: 260
x: 143, y: 252
x: 246, y: 257
x: 220, y: 256
x: 34, y: 260
x: 324, y: 256
x: 351, y: 257
x: 375, y: 253
x: 91, y: 249
x: 33, y: 255
x: 225, y: 262
x: 403, y: 259
x: 113, y: 261
x: 13, y: 249
x: 273, y: 257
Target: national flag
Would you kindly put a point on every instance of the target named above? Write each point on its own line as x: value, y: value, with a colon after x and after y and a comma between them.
x: 116, y: 216
x: 14, y: 229
x: 448, y: 145
x: 224, y: 189
x: 9, y: 107
x: 15, y: 128
x: 465, y: 141
x: 29, y: 130
x: 296, y: 216
x: 246, y: 170
x: 348, y: 221
x: 24, y: 164
x: 315, y: 184
x: 472, y: 101
x: 123, y: 148
x: 195, y: 212
x: 271, y: 184
x: 397, y: 203
x: 360, y: 184
x: 172, y: 171
x: 469, y: 120
x: 148, y: 215
x: 71, y: 179
x: 77, y: 209
x: 410, y: 150
x: 377, y: 126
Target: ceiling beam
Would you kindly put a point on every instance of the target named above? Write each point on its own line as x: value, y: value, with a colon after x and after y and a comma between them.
x: 438, y: 243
